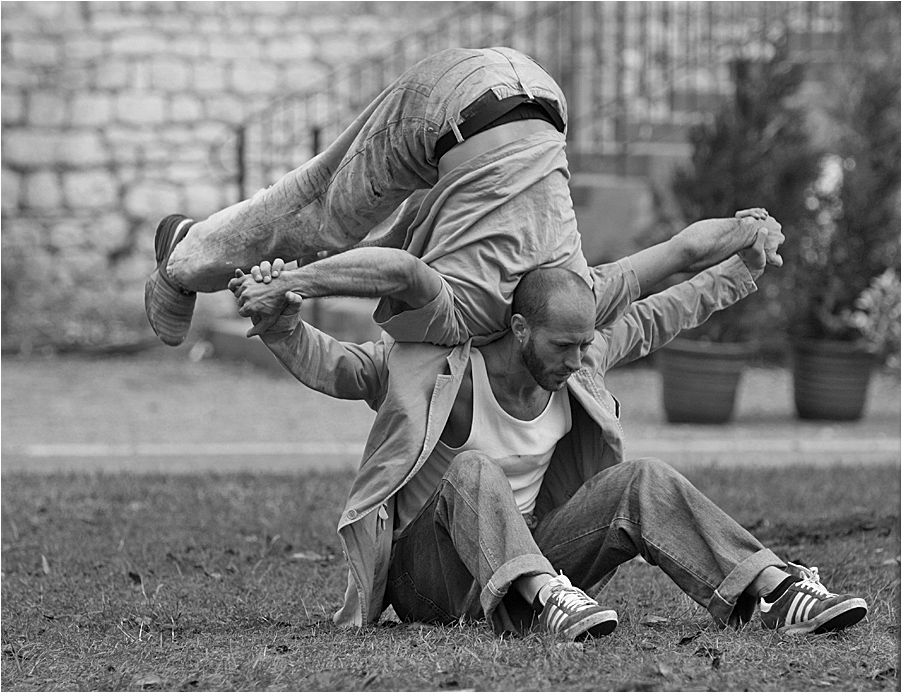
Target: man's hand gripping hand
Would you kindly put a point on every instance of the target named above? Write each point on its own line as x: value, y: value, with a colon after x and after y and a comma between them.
x: 261, y: 298
x: 774, y: 234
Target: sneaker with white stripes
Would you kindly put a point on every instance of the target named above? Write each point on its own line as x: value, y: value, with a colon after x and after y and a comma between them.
x: 572, y: 614
x: 808, y: 607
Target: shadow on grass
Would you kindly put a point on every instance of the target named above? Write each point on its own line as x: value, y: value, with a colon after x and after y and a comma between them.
x: 228, y: 582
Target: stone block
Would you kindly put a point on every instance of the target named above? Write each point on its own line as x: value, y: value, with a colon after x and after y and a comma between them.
x: 170, y: 74
x: 138, y: 42
x: 209, y: 78
x: 253, y: 77
x: 33, y: 51
x: 140, y: 108
x: 141, y: 76
x: 232, y: 46
x: 21, y: 233
x: 17, y: 17
x: 185, y: 108
x: 91, y: 109
x: 113, y: 22
x: 186, y: 44
x: 43, y: 191
x: 204, y: 198
x: 12, y: 104
x: 291, y: 48
x: 10, y: 187
x: 20, y: 76
x: 95, y: 190
x: 151, y: 199
x: 113, y: 74
x: 109, y: 232
x: 225, y: 108
x: 30, y: 149
x: 47, y: 108
x: 67, y: 234
x: 82, y: 48
x: 81, y: 149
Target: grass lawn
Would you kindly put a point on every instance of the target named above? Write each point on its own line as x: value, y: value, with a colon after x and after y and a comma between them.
x: 123, y: 582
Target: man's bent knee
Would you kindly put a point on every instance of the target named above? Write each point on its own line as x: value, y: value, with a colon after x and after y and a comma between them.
x: 653, y: 468
x: 474, y: 467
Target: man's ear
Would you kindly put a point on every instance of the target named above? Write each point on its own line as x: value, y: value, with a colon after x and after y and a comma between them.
x: 519, y: 327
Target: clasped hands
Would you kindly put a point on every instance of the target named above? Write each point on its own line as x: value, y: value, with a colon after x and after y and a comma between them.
x: 261, y: 297
x: 767, y: 240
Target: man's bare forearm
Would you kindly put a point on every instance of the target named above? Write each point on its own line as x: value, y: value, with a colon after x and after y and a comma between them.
x: 711, y: 241
x: 704, y: 244
x: 361, y: 272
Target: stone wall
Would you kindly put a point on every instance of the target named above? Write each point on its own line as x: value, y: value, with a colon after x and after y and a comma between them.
x: 110, y: 111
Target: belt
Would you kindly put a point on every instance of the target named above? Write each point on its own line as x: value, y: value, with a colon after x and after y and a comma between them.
x: 489, y: 111
x: 487, y: 140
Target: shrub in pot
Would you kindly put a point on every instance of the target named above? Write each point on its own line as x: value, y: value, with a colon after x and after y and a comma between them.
x: 756, y: 152
x: 844, y: 265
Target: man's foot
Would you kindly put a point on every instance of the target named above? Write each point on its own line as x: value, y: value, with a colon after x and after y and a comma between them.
x: 169, y: 308
x: 808, y: 607
x: 572, y: 614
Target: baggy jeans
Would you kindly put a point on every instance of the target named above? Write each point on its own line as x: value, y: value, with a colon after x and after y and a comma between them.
x: 460, y: 556
x: 386, y: 155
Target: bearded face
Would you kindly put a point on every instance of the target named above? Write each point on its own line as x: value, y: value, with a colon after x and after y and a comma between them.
x: 549, y: 373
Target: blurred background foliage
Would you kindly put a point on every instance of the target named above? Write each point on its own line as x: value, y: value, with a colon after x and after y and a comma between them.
x: 822, y: 155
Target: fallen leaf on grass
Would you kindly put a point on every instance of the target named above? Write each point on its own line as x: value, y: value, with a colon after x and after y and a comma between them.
x: 662, y: 669
x: 45, y: 565
x: 689, y: 638
x: 148, y: 681
x: 891, y: 561
x: 569, y: 646
x: 309, y: 556
x: 652, y: 620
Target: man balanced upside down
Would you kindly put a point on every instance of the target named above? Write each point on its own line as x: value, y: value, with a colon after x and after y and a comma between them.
x: 470, y: 144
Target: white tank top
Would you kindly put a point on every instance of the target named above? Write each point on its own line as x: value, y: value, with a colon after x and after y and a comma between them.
x: 522, y: 449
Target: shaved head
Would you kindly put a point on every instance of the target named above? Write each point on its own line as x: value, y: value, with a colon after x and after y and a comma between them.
x: 541, y: 292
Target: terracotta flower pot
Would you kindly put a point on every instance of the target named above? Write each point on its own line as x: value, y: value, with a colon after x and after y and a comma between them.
x: 830, y: 379
x: 701, y: 379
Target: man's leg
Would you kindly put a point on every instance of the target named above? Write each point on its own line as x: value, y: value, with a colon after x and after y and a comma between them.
x: 334, y: 201
x: 470, y: 554
x: 646, y: 508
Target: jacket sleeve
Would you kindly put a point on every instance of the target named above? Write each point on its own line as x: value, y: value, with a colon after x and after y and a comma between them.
x: 615, y: 286
x: 654, y: 321
x: 339, y: 369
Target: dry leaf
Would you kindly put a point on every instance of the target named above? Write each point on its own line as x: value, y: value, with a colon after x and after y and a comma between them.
x: 45, y: 565
x: 148, y: 681
x: 308, y: 556
x: 652, y: 620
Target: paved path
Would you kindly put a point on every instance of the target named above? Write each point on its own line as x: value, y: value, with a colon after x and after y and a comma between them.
x: 159, y: 412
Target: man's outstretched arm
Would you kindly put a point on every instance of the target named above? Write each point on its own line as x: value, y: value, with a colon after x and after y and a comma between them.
x: 705, y: 244
x: 360, y: 272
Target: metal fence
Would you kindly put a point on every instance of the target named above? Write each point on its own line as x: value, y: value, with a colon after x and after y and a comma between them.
x: 635, y: 74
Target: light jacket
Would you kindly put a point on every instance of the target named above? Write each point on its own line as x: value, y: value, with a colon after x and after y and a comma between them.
x: 412, y: 388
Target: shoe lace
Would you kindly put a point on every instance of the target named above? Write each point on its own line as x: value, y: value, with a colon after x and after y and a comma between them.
x: 573, y: 598
x: 811, y: 583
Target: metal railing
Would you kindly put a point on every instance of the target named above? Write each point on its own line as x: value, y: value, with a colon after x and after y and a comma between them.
x: 634, y: 73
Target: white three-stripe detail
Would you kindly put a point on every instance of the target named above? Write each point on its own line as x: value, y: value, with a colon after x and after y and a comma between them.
x: 800, y: 607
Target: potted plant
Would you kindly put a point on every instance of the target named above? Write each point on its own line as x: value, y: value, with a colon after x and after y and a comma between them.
x: 844, y: 265
x: 756, y: 152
